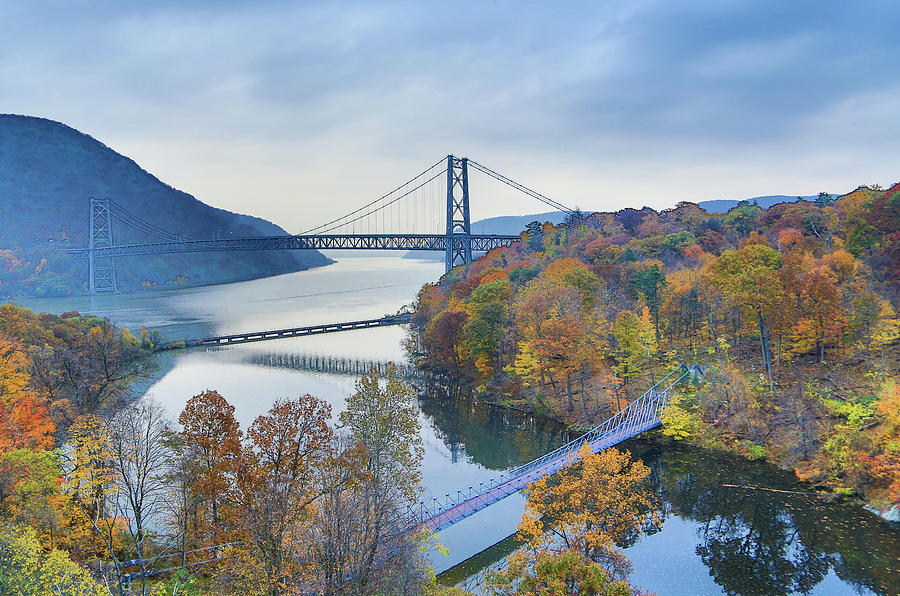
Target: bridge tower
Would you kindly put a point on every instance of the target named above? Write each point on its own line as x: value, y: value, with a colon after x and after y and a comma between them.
x: 102, y: 268
x: 459, y: 228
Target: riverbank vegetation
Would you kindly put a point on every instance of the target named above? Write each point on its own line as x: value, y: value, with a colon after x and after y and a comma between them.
x: 101, y: 493
x: 792, y: 311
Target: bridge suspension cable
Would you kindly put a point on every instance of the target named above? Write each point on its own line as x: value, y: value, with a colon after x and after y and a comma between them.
x: 344, y: 219
x: 130, y: 219
x: 382, y: 207
x: 520, y: 187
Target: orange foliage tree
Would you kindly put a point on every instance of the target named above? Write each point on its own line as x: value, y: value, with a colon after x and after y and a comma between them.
x: 211, y: 448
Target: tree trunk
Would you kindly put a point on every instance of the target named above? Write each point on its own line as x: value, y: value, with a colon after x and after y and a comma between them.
x: 584, y: 409
x: 767, y: 355
x: 779, y: 354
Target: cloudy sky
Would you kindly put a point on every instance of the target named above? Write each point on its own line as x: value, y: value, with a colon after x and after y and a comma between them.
x: 301, y: 111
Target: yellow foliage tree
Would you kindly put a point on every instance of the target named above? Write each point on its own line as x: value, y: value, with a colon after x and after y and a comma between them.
x: 680, y: 421
x: 88, y: 477
x: 27, y: 571
x: 598, y: 501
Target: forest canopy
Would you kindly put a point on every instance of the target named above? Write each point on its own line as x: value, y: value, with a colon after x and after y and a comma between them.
x: 792, y: 312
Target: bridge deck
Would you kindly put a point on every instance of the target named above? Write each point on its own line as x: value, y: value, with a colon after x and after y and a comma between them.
x: 242, y: 338
x: 431, y: 242
x: 504, y: 489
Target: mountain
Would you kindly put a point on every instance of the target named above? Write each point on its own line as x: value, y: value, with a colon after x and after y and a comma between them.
x: 514, y: 224
x: 717, y: 206
x: 49, y: 172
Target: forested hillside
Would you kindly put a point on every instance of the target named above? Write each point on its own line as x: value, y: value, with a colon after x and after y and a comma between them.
x: 791, y: 310
x: 49, y: 172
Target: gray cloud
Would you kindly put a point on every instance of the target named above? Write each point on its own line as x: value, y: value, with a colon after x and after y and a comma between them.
x: 601, y: 104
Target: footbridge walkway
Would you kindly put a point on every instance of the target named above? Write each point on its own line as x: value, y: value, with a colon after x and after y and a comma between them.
x: 639, y: 416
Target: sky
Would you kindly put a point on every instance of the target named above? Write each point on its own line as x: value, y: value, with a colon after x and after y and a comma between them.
x: 301, y: 111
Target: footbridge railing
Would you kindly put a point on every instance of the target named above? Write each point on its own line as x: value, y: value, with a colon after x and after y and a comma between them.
x: 639, y: 416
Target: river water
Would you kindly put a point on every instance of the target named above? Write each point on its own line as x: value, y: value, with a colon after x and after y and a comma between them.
x: 716, y: 539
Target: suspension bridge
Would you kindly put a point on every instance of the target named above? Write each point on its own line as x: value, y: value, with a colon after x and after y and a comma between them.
x: 641, y: 415
x: 429, y: 212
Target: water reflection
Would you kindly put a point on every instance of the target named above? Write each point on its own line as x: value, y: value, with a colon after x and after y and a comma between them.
x: 770, y: 539
x: 776, y: 538
x: 323, y: 363
x: 496, y: 438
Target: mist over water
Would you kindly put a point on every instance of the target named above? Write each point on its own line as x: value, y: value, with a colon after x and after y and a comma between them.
x: 715, y: 539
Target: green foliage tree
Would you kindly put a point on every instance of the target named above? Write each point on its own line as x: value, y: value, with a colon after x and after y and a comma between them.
x: 555, y: 574
x: 382, y: 419
x: 747, y: 278
x: 487, y: 311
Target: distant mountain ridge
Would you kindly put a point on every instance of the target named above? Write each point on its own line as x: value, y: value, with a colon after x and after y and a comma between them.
x: 49, y: 171
x: 724, y: 205
x: 514, y: 224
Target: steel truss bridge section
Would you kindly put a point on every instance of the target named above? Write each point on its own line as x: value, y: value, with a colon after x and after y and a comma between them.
x: 432, y: 242
x: 243, y: 338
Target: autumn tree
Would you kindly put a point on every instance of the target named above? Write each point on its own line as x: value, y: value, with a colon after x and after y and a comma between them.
x: 90, y: 371
x: 635, y: 342
x: 483, y: 331
x: 210, y: 447
x: 277, y: 481
x: 443, y: 337
x: 14, y: 374
x: 748, y: 280
x: 27, y: 568
x: 141, y: 460
x: 573, y: 523
x: 648, y: 283
x: 28, y: 469
x: 822, y: 313
x: 381, y: 417
x: 561, y: 338
x: 884, y: 466
x: 555, y: 573
x: 876, y: 322
x: 88, y: 476
x: 599, y: 501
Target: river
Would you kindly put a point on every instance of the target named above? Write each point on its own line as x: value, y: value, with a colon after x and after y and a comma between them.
x: 715, y: 539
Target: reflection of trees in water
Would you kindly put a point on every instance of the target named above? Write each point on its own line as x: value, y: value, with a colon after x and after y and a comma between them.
x: 496, y: 438
x: 762, y: 542
x: 753, y: 542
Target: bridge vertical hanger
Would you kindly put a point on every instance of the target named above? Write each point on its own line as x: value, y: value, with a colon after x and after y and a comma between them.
x: 459, y: 229
x: 102, y: 268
